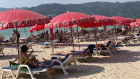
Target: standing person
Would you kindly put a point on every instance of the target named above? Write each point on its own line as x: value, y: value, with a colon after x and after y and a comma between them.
x: 16, y: 33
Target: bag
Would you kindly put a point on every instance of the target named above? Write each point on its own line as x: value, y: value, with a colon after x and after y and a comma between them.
x: 15, y: 65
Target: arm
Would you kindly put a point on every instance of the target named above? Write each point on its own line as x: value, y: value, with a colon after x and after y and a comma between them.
x: 26, y: 57
x: 29, y: 54
x: 16, y: 58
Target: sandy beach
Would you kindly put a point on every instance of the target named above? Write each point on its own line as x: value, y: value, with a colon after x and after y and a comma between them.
x: 124, y: 64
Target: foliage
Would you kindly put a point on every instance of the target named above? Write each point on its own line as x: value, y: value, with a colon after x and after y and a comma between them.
x: 128, y: 9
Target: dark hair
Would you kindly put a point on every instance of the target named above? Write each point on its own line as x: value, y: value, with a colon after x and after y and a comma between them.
x: 24, y: 49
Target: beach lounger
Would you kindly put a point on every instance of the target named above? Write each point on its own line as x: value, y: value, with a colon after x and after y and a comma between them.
x: 136, y: 38
x: 1, y: 50
x: 31, y: 38
x: 12, y: 39
x: 1, y: 39
x: 88, y: 52
x: 69, y: 41
x: 127, y: 41
x: 29, y: 45
x: 115, y: 46
x: 50, y: 44
x: 85, y: 38
x: 29, y: 70
x: 106, y: 48
x: 38, y: 38
x: 64, y: 63
x: 47, y: 45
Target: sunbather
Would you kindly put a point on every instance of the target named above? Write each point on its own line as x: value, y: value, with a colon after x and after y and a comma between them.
x: 16, y: 33
x: 87, y: 52
x: 23, y: 58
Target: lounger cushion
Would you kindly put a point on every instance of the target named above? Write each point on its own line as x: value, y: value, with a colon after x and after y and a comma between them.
x: 57, y: 63
x: 49, y: 63
x: 33, y: 69
x: 103, y: 48
x: 9, y: 68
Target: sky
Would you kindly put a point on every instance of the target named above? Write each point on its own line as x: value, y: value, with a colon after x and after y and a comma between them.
x: 30, y: 3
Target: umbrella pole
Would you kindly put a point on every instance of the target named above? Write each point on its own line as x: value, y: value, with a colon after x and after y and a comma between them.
x: 78, y: 38
x: 53, y: 47
x: 65, y: 33
x: 51, y: 37
x: 72, y: 38
x: 95, y: 36
x: 17, y: 42
x: 116, y: 31
x: 25, y: 34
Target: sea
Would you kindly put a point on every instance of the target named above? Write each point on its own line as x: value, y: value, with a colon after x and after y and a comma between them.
x: 24, y: 32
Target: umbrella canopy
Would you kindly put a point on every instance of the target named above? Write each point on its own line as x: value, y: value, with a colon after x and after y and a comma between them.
x: 128, y: 21
x: 69, y: 19
x: 101, y: 20
x: 71, y: 26
x: 137, y: 20
x: 21, y: 18
x: 37, y: 28
x: 136, y: 24
x: 100, y: 17
x: 118, y: 20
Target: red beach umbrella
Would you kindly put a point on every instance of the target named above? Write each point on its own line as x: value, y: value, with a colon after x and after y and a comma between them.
x: 70, y: 18
x: 101, y: 20
x: 16, y: 18
x: 100, y: 17
x: 37, y: 28
x: 133, y: 24
x: 136, y: 24
x: 119, y: 20
x: 128, y: 21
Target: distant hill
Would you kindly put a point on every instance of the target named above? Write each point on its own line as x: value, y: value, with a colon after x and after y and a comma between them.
x: 128, y: 9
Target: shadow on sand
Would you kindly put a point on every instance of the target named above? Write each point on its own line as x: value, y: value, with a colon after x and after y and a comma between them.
x: 83, y: 70
x: 7, y: 57
x: 121, y: 56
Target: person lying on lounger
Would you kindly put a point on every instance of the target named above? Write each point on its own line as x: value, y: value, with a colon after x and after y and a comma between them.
x: 86, y: 52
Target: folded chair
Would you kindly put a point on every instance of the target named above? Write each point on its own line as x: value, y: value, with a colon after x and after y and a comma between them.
x: 1, y: 50
x: 29, y: 45
x: 64, y: 63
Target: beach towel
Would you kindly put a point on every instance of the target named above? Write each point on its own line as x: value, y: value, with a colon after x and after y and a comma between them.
x: 15, y: 65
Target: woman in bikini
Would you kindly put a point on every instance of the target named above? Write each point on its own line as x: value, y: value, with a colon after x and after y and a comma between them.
x: 24, y: 58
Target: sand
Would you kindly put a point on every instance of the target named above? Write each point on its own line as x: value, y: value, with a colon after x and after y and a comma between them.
x: 124, y: 64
